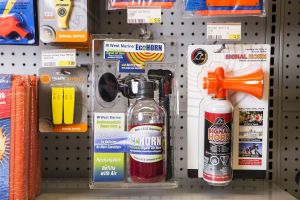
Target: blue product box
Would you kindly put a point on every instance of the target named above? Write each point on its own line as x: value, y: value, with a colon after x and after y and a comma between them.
x: 18, y: 21
x: 5, y: 108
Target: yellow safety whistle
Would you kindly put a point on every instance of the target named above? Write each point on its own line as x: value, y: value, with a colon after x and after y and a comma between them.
x: 69, y: 104
x: 63, y: 12
x: 57, y: 105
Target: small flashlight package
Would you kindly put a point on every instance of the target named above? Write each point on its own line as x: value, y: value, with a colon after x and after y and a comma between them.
x: 64, y: 21
x: 228, y: 8
x: 228, y: 91
x: 124, y: 4
x: 18, y: 22
x: 134, y: 112
x: 63, y: 100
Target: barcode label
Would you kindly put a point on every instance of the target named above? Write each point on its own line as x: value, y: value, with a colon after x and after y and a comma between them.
x: 224, y: 31
x: 214, y: 37
x: 136, y: 21
x: 136, y: 15
x: 59, y: 58
x: 49, y: 64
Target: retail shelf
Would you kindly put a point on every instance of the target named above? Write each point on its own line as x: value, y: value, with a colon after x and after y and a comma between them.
x: 188, y: 190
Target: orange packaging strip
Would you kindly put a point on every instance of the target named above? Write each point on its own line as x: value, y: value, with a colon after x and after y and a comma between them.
x: 20, y: 143
x: 33, y: 139
x: 12, y: 140
x: 31, y: 170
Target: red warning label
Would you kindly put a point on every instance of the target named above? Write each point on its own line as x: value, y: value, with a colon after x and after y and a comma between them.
x: 256, y: 162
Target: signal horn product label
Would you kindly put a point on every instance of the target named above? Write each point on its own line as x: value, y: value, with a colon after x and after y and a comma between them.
x: 132, y: 56
x: 217, y: 144
x: 146, y: 143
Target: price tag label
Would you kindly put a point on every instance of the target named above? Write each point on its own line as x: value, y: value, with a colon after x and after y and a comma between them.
x: 149, y: 15
x: 224, y: 31
x: 59, y: 58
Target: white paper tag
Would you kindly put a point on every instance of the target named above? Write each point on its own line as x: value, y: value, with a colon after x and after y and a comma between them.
x: 224, y: 31
x: 135, y: 88
x: 149, y: 15
x: 59, y: 58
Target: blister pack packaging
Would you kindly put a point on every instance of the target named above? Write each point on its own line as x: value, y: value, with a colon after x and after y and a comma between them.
x: 228, y: 92
x: 62, y: 99
x: 64, y: 21
x: 18, y: 22
x: 124, y: 4
x: 228, y: 8
x: 135, y: 109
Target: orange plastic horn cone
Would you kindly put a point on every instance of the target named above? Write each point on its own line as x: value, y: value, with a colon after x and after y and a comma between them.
x: 251, y: 83
x: 217, y: 84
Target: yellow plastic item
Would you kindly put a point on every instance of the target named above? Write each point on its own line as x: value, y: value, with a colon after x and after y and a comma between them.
x: 10, y: 4
x: 69, y: 104
x: 63, y: 12
x: 57, y: 105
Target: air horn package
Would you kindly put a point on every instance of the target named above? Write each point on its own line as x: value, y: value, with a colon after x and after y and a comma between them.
x: 18, y: 22
x: 134, y: 106
x: 228, y: 90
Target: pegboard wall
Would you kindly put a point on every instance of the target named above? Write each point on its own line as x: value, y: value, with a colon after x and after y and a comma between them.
x: 67, y: 155
x: 289, y: 126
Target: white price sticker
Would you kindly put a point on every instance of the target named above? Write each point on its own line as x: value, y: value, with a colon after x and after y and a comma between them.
x: 224, y: 31
x: 135, y: 87
x: 149, y: 15
x: 59, y: 58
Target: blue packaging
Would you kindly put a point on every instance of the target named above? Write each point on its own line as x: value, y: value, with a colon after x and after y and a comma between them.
x: 5, y: 108
x: 201, y: 5
x: 18, y: 22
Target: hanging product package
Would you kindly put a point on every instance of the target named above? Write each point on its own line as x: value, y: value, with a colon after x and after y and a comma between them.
x: 225, y: 7
x: 64, y: 21
x: 134, y: 112
x: 18, y: 22
x: 19, y: 138
x: 124, y: 4
x: 228, y: 91
x: 62, y: 98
